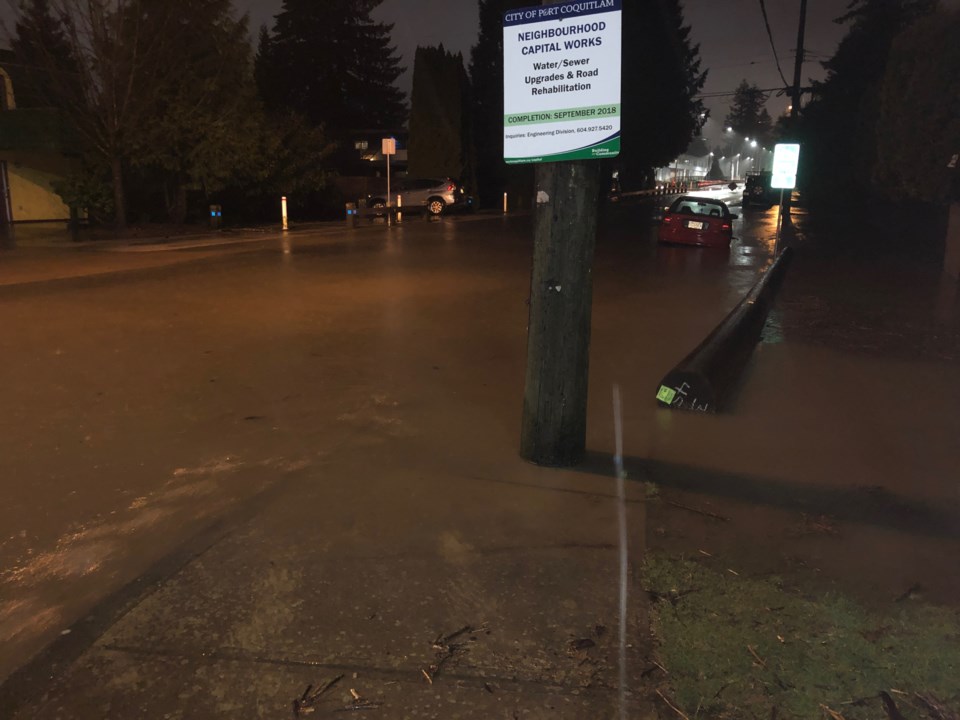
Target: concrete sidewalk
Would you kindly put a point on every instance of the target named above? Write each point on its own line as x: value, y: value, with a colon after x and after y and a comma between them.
x: 439, y: 581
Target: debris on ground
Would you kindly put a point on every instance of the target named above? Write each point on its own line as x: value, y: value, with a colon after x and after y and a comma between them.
x: 743, y: 645
x: 306, y: 703
x: 815, y: 525
x: 912, y: 593
x: 445, y: 649
x: 698, y: 511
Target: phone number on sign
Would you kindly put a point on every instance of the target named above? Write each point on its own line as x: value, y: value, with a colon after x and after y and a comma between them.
x: 595, y: 128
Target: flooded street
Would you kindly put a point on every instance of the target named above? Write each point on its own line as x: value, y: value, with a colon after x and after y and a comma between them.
x: 345, y: 407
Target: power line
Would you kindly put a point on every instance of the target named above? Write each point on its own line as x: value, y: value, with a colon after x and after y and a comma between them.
x: 728, y: 93
x: 766, y: 22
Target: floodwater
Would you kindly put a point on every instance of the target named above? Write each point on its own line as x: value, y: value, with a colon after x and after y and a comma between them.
x: 141, y: 407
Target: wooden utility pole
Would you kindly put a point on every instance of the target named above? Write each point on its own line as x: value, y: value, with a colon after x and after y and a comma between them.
x: 795, y: 101
x: 554, y: 427
x: 798, y: 67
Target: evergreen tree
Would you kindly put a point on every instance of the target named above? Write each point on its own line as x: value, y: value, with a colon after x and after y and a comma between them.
x: 838, y: 126
x: 716, y: 172
x: 661, y: 79
x: 439, y: 134
x: 748, y: 114
x: 919, y: 119
x: 202, y: 129
x: 331, y: 63
x: 486, y: 79
x: 42, y: 55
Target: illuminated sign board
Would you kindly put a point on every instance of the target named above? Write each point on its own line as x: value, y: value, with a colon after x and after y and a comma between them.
x: 561, y: 81
x: 786, y: 158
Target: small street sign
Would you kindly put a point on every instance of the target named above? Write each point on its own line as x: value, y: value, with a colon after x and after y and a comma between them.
x: 786, y: 158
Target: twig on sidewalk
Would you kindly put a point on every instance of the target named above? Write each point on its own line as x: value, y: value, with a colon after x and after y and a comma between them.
x: 304, y: 705
x: 910, y: 593
x: 833, y: 714
x: 443, y: 642
x: 446, y: 650
x: 893, y: 712
x: 698, y: 511
x: 673, y: 707
x: 935, y: 708
x: 756, y: 657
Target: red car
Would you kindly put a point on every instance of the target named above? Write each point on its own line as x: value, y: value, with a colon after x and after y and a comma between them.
x: 697, y: 221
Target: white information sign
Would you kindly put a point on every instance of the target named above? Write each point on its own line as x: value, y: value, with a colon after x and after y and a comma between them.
x: 561, y: 81
x: 786, y: 157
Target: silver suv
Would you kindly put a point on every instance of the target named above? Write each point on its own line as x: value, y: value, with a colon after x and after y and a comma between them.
x: 431, y: 193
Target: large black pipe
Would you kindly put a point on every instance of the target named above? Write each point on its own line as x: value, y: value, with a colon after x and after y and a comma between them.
x: 704, y: 379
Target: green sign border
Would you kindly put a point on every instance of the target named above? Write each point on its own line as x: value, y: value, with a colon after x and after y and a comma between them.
x: 606, y: 149
x: 553, y: 119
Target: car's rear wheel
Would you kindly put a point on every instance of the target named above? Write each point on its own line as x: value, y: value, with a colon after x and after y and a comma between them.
x: 435, y: 206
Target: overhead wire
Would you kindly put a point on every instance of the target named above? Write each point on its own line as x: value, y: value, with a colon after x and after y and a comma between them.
x: 766, y: 23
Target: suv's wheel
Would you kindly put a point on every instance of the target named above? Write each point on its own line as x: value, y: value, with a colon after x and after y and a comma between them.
x: 435, y: 206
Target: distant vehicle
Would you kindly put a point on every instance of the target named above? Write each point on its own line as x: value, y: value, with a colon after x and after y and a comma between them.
x: 693, y: 220
x: 757, y: 190
x: 613, y: 193
x: 434, y: 194
x: 729, y: 193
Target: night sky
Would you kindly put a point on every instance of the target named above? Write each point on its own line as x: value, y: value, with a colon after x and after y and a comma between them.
x: 733, y: 42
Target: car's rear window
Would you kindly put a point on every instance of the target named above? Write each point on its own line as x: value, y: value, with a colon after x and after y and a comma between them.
x: 693, y: 206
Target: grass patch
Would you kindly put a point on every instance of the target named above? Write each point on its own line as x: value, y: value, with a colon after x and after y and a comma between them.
x: 737, y: 647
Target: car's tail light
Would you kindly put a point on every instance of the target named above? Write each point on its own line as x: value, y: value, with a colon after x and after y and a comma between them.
x: 451, y: 187
x: 726, y: 226
x: 668, y: 219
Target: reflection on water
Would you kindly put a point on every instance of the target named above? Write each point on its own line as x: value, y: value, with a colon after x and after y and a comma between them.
x: 773, y: 329
x: 691, y: 260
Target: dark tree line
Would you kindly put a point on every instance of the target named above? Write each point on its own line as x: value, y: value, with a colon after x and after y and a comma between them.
x: 157, y: 90
x: 173, y: 108
x: 839, y: 126
x: 163, y: 98
x: 748, y: 114
x: 331, y: 63
x: 441, y: 128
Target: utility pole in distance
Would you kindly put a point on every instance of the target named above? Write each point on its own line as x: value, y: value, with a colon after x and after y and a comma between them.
x: 564, y: 116
x: 795, y: 99
x: 798, y: 67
